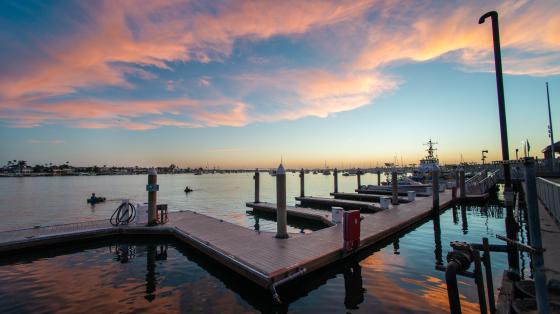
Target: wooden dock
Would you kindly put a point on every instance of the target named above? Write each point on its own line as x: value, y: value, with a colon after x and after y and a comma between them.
x: 310, y: 201
x: 321, y: 216
x: 363, y: 197
x: 258, y: 256
x: 387, y: 191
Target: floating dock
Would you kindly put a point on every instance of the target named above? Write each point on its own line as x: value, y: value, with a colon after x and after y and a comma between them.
x: 318, y: 215
x: 258, y: 256
x: 363, y: 197
x: 388, y: 191
x: 331, y: 202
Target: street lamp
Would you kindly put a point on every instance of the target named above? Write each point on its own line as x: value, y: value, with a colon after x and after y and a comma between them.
x: 500, y: 87
x: 517, y: 154
x: 484, y: 156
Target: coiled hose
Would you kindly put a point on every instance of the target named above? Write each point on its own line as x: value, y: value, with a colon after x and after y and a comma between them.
x: 123, y: 215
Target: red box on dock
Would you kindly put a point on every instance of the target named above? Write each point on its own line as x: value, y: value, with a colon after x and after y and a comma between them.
x: 351, y: 224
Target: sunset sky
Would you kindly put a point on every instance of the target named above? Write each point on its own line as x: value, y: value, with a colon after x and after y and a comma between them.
x: 241, y: 83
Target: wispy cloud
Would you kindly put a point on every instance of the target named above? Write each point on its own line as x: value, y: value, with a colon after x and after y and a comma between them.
x: 52, y: 142
x: 127, y: 47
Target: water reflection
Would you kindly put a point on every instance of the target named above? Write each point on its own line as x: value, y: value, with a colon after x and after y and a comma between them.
x: 397, y: 275
x: 353, y: 286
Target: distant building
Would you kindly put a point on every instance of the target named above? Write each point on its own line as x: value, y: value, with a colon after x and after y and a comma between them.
x: 546, y: 150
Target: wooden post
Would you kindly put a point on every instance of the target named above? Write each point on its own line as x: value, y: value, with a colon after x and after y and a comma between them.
x: 359, y: 176
x: 152, y: 189
x: 435, y: 191
x: 395, y: 185
x: 302, y: 183
x: 256, y: 177
x: 281, y: 214
x: 462, y: 185
x: 378, y: 177
x: 335, y: 175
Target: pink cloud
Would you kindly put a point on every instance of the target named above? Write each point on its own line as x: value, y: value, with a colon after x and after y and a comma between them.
x: 106, y: 50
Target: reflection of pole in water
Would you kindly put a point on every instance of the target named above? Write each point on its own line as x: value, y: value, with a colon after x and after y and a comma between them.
x: 511, y: 231
x: 151, y: 279
x: 396, y: 247
x: 455, y: 216
x: 464, y: 219
x: 353, y: 287
x: 437, y: 240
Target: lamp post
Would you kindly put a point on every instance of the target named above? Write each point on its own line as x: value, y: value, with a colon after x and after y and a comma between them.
x: 484, y: 156
x: 550, y: 132
x: 517, y: 154
x: 500, y: 88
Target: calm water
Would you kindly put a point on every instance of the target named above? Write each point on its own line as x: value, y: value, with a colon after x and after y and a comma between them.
x: 131, y: 275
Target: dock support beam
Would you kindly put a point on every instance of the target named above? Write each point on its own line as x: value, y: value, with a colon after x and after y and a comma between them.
x: 256, y: 177
x: 302, y: 183
x: 435, y: 191
x: 281, y: 212
x: 152, y: 188
x: 541, y: 292
x: 462, y: 186
x: 359, y: 176
x: 395, y: 184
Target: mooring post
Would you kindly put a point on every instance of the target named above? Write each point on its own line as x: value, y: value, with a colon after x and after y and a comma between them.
x: 302, y: 183
x: 539, y: 276
x: 152, y: 189
x: 395, y: 184
x: 462, y: 186
x: 359, y: 175
x: 435, y: 191
x: 256, y: 177
x: 378, y: 177
x: 335, y: 175
x: 281, y: 215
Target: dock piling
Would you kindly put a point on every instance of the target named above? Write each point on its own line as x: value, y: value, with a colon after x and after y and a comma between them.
x: 152, y: 189
x: 302, y: 183
x: 335, y: 175
x: 378, y: 177
x: 435, y: 190
x: 533, y: 220
x: 256, y: 177
x: 395, y: 185
x: 359, y: 176
x: 281, y: 212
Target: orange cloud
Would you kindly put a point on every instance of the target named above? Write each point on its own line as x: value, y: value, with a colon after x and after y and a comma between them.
x: 433, y: 33
x: 362, y: 38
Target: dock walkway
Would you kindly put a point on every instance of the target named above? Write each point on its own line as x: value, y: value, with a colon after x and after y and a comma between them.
x: 258, y: 256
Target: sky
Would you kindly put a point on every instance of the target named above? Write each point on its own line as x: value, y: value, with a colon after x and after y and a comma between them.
x: 248, y: 83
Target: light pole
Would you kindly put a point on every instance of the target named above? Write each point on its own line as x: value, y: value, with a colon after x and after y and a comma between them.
x: 484, y: 156
x: 517, y: 154
x: 550, y: 132
x: 500, y: 88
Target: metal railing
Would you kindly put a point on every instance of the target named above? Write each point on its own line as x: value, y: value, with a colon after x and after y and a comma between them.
x: 482, y: 182
x: 40, y: 231
x: 549, y: 194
